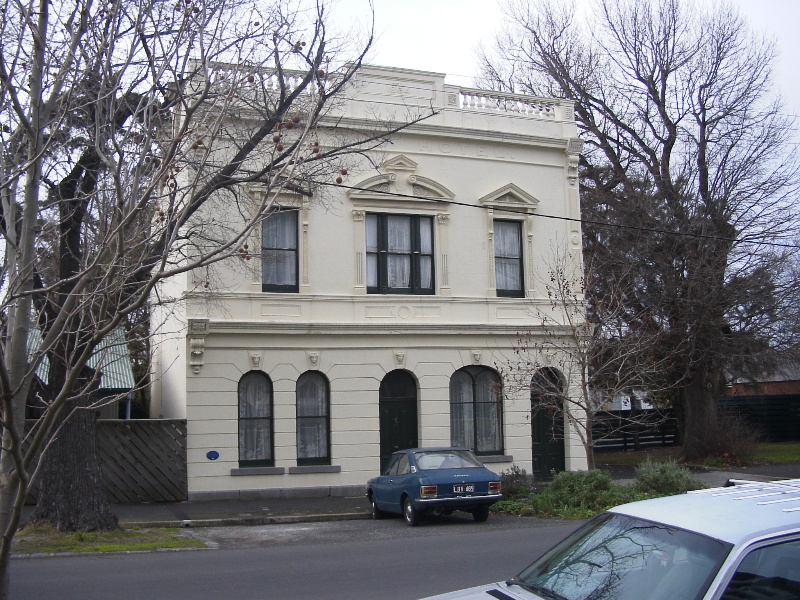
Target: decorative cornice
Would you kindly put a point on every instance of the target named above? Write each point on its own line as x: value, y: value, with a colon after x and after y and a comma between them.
x: 391, y: 328
x: 443, y: 131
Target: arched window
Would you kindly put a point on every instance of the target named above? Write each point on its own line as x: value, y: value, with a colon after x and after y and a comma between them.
x: 476, y: 410
x: 313, y: 419
x: 255, y: 420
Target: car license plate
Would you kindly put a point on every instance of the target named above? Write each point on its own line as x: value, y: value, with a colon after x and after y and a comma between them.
x: 463, y: 489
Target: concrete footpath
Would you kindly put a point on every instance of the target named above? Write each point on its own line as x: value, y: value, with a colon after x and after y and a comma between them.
x: 215, y: 513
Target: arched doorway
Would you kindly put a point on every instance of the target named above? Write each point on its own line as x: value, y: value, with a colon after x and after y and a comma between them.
x: 397, y: 402
x: 547, y: 423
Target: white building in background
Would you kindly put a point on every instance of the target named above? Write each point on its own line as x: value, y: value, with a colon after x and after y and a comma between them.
x: 384, y: 319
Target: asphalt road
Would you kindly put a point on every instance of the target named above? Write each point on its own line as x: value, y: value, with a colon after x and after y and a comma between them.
x: 349, y: 560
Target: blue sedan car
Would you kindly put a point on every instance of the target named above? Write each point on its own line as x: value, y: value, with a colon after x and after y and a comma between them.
x: 435, y: 480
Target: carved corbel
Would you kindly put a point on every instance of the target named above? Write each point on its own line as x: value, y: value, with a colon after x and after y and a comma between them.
x: 198, y: 329
x: 574, y: 149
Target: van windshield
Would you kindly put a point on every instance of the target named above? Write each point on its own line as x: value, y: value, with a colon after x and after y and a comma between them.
x: 620, y: 557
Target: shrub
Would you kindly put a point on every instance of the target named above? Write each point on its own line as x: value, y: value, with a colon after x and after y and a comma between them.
x: 734, y: 442
x: 581, y: 494
x: 664, y: 479
x: 516, y: 483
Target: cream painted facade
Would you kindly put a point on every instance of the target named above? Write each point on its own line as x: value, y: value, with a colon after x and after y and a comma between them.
x: 485, y: 157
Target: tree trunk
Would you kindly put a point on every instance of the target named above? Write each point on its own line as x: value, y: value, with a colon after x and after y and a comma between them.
x: 699, y: 402
x: 71, y: 494
x: 589, y: 446
x: 9, y: 519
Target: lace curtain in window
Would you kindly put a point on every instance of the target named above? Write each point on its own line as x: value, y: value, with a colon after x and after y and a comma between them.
x: 279, y: 248
x: 312, y: 416
x: 255, y: 418
x: 476, y: 410
x: 508, y: 255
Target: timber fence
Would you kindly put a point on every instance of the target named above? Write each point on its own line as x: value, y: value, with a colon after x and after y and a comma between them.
x: 142, y: 460
x: 616, y: 430
x: 776, y: 417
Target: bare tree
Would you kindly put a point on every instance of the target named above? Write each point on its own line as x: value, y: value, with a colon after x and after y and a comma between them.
x: 686, y: 156
x: 142, y: 140
x: 573, y: 344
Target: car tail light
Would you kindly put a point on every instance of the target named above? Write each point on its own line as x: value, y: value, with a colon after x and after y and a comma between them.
x: 495, y: 487
x: 428, y: 491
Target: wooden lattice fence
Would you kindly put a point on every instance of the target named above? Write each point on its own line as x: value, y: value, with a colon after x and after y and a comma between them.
x: 142, y: 460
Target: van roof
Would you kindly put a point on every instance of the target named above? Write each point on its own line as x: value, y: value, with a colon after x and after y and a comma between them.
x: 736, y: 514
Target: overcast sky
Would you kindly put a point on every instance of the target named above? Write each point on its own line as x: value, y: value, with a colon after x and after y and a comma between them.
x: 441, y: 36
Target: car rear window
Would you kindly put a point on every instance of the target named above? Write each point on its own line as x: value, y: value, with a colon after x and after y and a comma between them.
x: 446, y: 459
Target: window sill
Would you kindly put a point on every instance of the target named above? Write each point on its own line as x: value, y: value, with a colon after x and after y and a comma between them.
x: 257, y: 471
x: 496, y: 458
x: 315, y: 469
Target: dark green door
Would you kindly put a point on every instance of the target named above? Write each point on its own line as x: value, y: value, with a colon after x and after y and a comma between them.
x: 547, y: 424
x: 398, y: 413
x: 548, y: 443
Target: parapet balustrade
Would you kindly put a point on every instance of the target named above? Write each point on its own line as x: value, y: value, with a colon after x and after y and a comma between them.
x: 484, y: 100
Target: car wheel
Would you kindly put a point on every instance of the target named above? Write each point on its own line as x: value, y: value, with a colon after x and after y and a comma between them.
x: 410, y: 514
x: 481, y: 513
x: 377, y: 513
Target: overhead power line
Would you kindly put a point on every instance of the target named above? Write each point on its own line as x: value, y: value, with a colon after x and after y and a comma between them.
x: 560, y: 218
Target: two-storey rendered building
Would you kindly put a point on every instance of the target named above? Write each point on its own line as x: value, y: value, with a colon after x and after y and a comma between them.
x: 384, y: 319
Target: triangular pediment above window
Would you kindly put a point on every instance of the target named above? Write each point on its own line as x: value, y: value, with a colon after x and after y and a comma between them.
x: 399, y: 183
x: 510, y: 197
x: 399, y: 163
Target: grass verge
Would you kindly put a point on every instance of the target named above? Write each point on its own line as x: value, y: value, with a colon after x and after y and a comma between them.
x: 46, y: 540
x: 781, y: 453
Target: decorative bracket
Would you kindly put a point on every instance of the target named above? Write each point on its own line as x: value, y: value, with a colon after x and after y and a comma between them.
x: 198, y: 330
x: 574, y: 149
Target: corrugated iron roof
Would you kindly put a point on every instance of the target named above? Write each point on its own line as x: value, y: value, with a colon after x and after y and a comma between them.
x: 111, y: 358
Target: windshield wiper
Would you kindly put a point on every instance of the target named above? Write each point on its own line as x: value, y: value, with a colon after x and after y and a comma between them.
x: 536, y: 589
